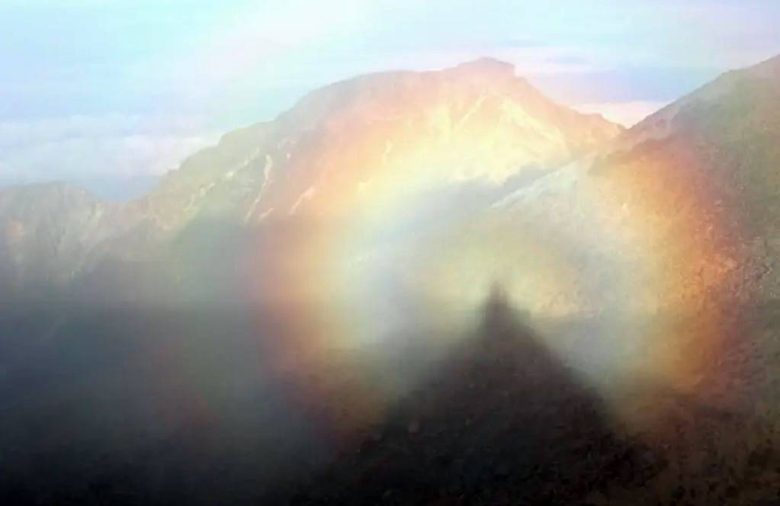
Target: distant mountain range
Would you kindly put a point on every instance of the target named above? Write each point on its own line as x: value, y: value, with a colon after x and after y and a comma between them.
x: 347, y: 147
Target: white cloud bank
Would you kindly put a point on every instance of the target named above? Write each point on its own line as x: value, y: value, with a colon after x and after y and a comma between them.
x: 105, y: 148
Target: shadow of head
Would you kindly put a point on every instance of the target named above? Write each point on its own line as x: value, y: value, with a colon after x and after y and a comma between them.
x: 500, y: 320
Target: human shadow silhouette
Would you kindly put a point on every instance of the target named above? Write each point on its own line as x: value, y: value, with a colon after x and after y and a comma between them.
x: 502, y: 422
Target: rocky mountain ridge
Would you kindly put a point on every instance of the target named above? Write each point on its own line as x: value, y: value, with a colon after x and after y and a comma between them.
x: 474, y: 122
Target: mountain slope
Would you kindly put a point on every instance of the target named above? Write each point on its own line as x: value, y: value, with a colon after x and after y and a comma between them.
x: 476, y: 121
x: 352, y: 146
x: 48, y: 231
x: 729, y: 126
x: 670, y: 237
x: 696, y: 183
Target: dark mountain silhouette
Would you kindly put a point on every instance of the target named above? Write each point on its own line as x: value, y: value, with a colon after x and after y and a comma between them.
x: 502, y: 422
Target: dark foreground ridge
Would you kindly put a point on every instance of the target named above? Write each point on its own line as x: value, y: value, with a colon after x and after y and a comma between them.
x: 175, y: 408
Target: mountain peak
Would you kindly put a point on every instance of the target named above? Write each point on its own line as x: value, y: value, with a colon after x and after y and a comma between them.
x: 347, y: 149
x: 489, y: 67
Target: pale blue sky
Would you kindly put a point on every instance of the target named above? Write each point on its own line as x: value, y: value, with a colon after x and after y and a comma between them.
x: 113, y: 93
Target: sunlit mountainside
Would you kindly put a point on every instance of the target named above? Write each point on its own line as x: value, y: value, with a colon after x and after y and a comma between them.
x: 354, y: 145
x: 397, y: 291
